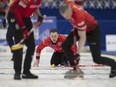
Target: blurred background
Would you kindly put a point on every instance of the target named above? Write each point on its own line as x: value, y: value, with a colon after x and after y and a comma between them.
x: 103, y: 10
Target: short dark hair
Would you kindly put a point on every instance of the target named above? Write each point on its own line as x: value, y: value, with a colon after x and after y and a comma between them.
x: 63, y: 8
x: 53, y: 31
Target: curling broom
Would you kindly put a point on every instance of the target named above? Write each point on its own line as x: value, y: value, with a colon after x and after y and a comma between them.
x: 20, y: 45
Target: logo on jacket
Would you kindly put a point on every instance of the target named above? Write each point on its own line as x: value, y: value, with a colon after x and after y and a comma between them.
x: 34, y: 6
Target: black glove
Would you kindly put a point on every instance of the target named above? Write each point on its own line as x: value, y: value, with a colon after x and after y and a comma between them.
x: 40, y: 19
x: 25, y: 33
x: 4, y: 23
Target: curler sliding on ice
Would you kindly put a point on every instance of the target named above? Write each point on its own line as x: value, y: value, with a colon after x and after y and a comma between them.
x: 20, y: 44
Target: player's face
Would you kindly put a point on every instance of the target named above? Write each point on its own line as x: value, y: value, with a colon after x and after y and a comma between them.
x: 54, y: 37
x: 68, y: 14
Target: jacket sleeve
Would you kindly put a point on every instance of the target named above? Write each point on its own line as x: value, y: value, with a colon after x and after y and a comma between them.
x: 42, y: 45
x: 19, y: 10
x: 18, y: 17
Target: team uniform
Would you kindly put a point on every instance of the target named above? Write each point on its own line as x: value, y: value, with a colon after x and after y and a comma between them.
x: 83, y: 20
x: 58, y: 56
x: 19, y: 17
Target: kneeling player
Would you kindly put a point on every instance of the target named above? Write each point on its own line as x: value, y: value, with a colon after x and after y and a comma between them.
x: 54, y: 41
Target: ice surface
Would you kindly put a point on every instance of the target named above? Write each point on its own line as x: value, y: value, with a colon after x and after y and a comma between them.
x: 95, y: 76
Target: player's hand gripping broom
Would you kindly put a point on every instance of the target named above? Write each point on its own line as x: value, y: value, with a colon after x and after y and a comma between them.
x: 20, y: 45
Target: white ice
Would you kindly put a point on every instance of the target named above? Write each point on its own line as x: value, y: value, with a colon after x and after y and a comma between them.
x: 48, y: 77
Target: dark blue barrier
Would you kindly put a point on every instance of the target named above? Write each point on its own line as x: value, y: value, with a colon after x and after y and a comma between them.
x: 104, y: 14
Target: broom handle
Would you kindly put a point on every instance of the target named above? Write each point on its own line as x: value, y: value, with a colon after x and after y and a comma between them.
x: 75, y: 40
x: 23, y: 39
x: 34, y: 27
